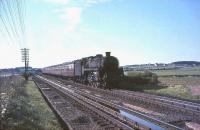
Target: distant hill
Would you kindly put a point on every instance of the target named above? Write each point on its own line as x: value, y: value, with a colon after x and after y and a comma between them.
x: 190, y: 63
x: 16, y: 70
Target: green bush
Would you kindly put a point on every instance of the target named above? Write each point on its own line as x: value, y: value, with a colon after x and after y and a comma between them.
x: 138, y: 79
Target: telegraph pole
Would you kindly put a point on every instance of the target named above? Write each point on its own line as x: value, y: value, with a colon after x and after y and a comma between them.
x: 25, y: 59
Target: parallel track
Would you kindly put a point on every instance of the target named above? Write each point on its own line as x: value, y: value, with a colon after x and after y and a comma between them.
x: 85, y: 97
x: 181, y: 104
x: 104, y: 112
x: 63, y: 109
x: 184, y: 106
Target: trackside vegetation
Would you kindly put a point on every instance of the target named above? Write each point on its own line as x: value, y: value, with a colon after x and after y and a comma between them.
x: 137, y: 80
x: 193, y: 71
x: 178, y: 91
x: 173, y: 83
x: 27, y: 110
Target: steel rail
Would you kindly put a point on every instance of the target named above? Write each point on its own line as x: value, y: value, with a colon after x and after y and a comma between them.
x: 189, y: 106
x: 143, y: 116
x: 185, y: 106
x: 137, y: 95
x: 107, y: 113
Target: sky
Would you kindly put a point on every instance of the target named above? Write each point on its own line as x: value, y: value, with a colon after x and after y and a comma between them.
x: 134, y: 31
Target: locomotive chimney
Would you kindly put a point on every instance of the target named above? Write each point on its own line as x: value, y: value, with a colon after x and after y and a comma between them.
x: 108, y: 54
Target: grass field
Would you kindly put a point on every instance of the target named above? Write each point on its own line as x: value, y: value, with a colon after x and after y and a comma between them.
x: 179, y: 72
x: 179, y: 83
x: 179, y: 91
x: 175, y: 72
x: 187, y: 87
x: 27, y: 110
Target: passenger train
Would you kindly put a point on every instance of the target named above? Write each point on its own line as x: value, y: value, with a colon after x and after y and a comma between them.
x: 97, y: 71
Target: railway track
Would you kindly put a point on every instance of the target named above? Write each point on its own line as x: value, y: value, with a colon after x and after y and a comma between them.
x: 107, y: 105
x: 109, y: 116
x: 181, y: 104
x: 185, y: 106
x: 58, y: 102
x: 176, y: 104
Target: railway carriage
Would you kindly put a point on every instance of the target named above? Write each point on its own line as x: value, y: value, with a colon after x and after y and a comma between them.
x: 68, y: 69
x: 96, y: 71
x: 65, y: 69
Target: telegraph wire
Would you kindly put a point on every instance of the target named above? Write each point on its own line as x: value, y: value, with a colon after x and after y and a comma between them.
x: 6, y: 22
x: 21, y: 16
x: 6, y: 28
x: 9, y: 40
x: 15, y: 13
x: 12, y: 17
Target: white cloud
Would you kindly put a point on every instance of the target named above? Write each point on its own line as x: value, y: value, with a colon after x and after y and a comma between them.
x: 89, y: 3
x: 76, y: 1
x: 59, y: 1
x: 56, y: 43
x: 96, y: 1
x: 92, y: 1
x: 72, y: 17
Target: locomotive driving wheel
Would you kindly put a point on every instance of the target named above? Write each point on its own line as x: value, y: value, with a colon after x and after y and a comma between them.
x: 92, y: 81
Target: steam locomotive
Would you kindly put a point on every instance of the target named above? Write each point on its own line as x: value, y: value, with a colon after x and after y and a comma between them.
x: 97, y: 71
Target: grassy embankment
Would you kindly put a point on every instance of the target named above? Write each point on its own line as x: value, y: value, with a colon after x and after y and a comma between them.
x: 175, y: 87
x: 27, y: 110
